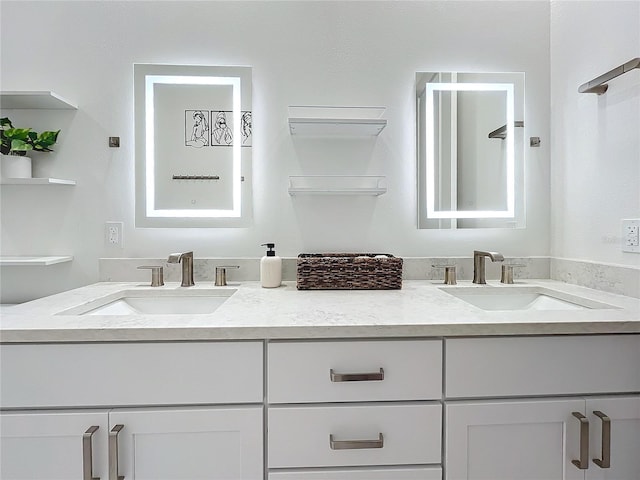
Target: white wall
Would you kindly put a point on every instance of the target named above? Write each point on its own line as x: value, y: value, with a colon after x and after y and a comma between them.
x: 595, y: 149
x: 323, y: 53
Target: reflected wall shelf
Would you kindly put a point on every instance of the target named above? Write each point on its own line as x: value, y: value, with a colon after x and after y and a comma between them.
x: 372, y: 185
x: 36, y: 181
x: 336, y: 121
x: 46, y: 100
x: 39, y: 261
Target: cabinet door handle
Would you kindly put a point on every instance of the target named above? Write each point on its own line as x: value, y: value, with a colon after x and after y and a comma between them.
x: 583, y: 463
x: 87, y: 454
x: 605, y: 462
x: 113, y: 453
x: 355, y: 444
x: 356, y: 377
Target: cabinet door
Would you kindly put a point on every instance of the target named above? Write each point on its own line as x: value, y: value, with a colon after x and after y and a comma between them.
x: 47, y: 446
x: 513, y: 440
x: 624, y: 418
x: 188, y: 443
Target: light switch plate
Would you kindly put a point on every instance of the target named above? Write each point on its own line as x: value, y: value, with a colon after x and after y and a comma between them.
x: 630, y: 235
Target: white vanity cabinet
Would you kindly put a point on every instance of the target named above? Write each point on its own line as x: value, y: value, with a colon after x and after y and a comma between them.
x: 355, y: 406
x: 543, y: 433
x: 166, y: 410
x: 506, y: 408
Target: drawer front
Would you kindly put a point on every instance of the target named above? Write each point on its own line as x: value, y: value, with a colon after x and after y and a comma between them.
x: 494, y: 367
x: 300, y: 372
x: 385, y: 435
x: 130, y: 374
x: 409, y: 473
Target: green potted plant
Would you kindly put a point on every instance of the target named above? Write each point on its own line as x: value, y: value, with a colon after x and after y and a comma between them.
x: 14, y: 145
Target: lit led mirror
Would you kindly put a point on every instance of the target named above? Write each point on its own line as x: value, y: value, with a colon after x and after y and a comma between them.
x: 470, y: 150
x: 193, y: 145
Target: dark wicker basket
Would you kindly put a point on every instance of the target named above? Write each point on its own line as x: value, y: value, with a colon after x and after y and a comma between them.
x: 348, y: 271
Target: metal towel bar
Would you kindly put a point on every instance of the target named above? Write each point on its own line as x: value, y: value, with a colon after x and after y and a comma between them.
x: 599, y: 85
x: 195, y: 177
x: 502, y: 131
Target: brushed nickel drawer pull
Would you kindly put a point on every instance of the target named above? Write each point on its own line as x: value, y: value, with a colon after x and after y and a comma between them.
x: 605, y: 462
x: 583, y: 463
x: 356, y: 377
x: 87, y: 454
x: 355, y: 444
x: 113, y: 453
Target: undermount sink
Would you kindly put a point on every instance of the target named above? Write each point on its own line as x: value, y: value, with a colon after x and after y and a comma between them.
x: 161, y: 302
x: 522, y: 298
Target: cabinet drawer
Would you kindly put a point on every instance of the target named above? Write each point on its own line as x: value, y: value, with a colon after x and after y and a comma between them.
x: 409, y: 473
x: 300, y: 372
x: 130, y: 374
x: 494, y: 367
x: 393, y: 434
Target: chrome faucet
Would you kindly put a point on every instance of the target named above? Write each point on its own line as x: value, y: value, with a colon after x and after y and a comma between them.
x: 479, y: 265
x: 187, y: 267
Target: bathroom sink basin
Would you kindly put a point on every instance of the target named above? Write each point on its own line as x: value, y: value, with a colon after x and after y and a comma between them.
x: 161, y: 302
x: 522, y: 298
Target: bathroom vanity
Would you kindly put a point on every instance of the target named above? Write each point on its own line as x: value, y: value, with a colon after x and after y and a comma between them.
x: 283, y: 384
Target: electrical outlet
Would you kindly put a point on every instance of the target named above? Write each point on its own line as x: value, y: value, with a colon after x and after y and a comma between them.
x: 631, y: 235
x: 113, y: 234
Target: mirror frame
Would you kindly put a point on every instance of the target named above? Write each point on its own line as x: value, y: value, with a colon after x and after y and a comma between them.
x: 485, y: 217
x: 431, y: 89
x: 146, y: 77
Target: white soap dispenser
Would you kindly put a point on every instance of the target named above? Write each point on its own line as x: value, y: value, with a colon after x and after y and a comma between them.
x: 270, y: 268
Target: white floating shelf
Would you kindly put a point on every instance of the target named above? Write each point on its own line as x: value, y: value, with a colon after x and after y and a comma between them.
x: 41, y: 261
x: 36, y: 181
x: 334, y: 121
x: 372, y: 185
x: 35, y: 100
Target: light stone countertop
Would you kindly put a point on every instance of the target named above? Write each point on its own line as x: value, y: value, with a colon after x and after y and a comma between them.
x: 419, y: 309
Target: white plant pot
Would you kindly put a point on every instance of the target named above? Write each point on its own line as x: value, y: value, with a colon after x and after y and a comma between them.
x: 15, y: 166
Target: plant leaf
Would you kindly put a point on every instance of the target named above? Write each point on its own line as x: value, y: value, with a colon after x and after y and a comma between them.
x: 17, y: 133
x: 45, y: 140
x: 20, y: 146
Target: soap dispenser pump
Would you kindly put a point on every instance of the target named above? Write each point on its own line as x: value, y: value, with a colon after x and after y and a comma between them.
x: 270, y: 268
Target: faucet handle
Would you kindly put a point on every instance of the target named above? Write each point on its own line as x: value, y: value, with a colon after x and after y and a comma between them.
x: 507, y: 272
x: 449, y: 274
x: 157, y: 275
x: 221, y: 274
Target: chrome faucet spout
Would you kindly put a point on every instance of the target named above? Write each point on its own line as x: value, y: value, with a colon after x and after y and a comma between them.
x: 186, y: 258
x: 479, y: 264
x: 494, y: 256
